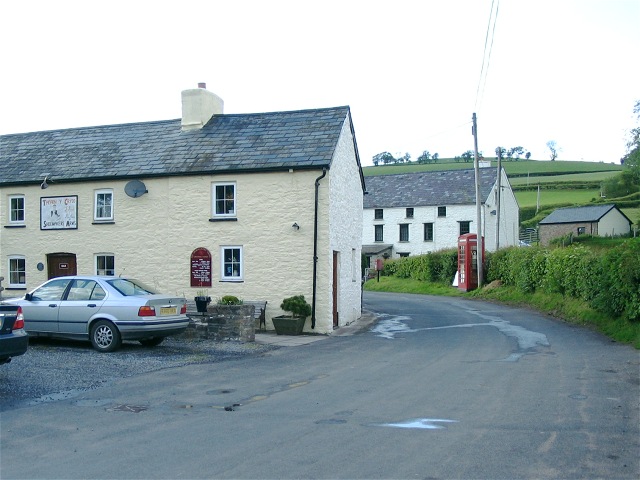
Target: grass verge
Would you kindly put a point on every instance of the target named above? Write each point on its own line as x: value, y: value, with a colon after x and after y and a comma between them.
x: 570, y: 310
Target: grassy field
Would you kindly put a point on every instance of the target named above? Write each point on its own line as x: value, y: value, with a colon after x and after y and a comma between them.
x: 513, y: 169
x: 529, y: 198
x: 533, y: 180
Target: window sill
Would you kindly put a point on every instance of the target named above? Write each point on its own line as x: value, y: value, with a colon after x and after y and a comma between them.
x: 14, y: 288
x: 231, y: 219
x: 106, y: 222
x: 15, y: 226
x: 231, y: 280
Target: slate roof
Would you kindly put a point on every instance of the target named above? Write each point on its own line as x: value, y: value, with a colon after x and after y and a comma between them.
x: 451, y: 187
x: 590, y: 213
x: 304, y: 139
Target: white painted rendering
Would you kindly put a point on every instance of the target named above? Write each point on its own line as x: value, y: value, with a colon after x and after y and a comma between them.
x: 613, y: 223
x: 446, y: 230
x: 153, y: 236
x: 198, y: 106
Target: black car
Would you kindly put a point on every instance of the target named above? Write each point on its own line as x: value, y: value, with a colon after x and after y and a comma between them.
x: 13, y: 339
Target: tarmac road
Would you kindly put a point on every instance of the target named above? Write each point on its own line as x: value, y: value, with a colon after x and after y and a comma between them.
x: 436, y: 388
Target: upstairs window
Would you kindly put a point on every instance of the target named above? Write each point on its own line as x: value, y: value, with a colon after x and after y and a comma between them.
x: 378, y: 214
x: 103, y: 208
x: 404, y: 232
x: 428, y: 232
x: 465, y: 227
x: 442, y: 211
x: 379, y: 233
x: 16, y: 209
x: 224, y: 200
x: 409, y: 212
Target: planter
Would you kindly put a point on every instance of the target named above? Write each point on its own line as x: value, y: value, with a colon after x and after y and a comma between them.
x: 201, y: 303
x: 288, y: 325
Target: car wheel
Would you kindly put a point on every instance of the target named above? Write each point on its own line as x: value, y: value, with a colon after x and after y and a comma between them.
x: 105, y: 337
x: 151, y: 342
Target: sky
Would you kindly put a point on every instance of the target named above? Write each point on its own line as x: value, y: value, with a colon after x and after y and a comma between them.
x: 413, y: 72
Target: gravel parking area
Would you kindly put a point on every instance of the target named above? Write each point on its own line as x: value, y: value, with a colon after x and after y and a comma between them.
x: 57, y: 369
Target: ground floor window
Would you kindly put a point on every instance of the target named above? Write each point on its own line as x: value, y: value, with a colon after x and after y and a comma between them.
x: 428, y: 232
x: 17, y: 272
x: 105, y: 264
x: 231, y: 263
x: 465, y: 227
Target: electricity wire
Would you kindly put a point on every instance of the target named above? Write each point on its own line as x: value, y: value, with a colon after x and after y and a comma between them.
x: 486, y: 55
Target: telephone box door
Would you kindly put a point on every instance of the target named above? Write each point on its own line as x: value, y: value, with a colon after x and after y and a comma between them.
x: 468, y: 261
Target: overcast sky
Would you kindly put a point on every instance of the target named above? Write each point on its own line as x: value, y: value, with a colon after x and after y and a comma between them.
x: 563, y: 70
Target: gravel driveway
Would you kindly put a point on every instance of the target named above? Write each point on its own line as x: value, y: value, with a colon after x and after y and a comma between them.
x: 57, y: 369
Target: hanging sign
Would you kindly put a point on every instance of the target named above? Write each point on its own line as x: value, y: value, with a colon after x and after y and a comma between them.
x: 201, y: 268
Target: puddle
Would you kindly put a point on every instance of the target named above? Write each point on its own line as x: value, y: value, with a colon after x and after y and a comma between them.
x: 419, y: 423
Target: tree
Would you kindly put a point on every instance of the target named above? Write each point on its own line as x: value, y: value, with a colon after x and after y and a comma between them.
x: 467, y: 156
x: 515, y: 153
x: 425, y: 157
x: 631, y: 159
x: 434, y: 157
x: 552, y: 146
x: 502, y: 152
x: 384, y: 158
x: 527, y: 155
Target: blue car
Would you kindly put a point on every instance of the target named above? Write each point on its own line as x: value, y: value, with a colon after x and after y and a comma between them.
x: 14, y: 340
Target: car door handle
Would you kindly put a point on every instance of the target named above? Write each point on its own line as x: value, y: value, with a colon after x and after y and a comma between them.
x: 92, y: 305
x: 53, y: 305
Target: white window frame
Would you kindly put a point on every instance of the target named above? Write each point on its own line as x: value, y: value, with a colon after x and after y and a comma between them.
x: 214, y: 200
x: 103, y: 271
x: 12, y: 270
x: 97, y: 194
x: 224, y: 277
x: 12, y: 221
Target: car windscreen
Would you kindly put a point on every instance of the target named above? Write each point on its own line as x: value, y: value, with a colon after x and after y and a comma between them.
x: 128, y: 287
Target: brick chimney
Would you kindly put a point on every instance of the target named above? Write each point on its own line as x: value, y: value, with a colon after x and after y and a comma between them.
x: 198, y: 106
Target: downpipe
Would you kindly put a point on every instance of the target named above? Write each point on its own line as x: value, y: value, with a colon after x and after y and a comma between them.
x: 315, y: 250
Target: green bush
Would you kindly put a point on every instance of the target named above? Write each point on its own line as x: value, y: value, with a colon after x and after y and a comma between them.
x: 437, y: 266
x: 229, y: 300
x: 297, y: 306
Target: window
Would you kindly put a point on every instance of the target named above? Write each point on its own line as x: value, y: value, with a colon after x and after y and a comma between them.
x: 224, y: 200
x: 428, y: 232
x: 103, y: 210
x: 84, y: 290
x: 231, y: 263
x: 378, y: 214
x: 409, y: 212
x: 379, y: 233
x: 465, y: 227
x: 442, y: 211
x: 16, y: 209
x: 17, y: 272
x: 51, y: 291
x: 404, y: 232
x: 403, y: 254
x: 105, y: 264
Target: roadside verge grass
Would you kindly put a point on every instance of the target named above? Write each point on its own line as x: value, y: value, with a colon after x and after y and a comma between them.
x: 568, y: 309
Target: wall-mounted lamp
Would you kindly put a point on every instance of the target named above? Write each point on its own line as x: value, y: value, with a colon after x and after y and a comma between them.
x: 493, y: 212
x: 296, y: 227
x: 44, y: 183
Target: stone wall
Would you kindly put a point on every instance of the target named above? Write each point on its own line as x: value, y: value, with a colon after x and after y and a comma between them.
x: 224, y: 323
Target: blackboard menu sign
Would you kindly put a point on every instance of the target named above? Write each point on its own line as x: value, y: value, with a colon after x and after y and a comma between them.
x: 201, y: 268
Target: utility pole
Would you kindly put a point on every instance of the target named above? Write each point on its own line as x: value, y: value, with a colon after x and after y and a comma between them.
x: 479, y: 244
x: 499, y: 152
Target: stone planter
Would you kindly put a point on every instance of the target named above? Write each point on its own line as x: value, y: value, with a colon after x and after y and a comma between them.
x: 226, y: 323
x: 288, y: 325
x: 201, y: 303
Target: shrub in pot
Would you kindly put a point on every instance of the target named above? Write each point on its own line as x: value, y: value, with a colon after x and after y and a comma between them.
x: 292, y: 324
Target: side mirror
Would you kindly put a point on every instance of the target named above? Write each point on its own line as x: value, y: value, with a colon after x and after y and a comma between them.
x: 28, y: 297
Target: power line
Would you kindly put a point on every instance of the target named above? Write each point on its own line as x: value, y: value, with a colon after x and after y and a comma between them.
x: 486, y: 55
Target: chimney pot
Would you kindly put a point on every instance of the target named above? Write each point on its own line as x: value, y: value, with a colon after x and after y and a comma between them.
x: 202, y: 85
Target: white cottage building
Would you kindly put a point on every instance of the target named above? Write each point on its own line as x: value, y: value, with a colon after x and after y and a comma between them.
x: 261, y: 206
x: 417, y: 213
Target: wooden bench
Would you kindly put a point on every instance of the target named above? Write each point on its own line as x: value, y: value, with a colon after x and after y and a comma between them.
x: 260, y: 310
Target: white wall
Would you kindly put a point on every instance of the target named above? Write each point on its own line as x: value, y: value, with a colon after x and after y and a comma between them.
x: 345, y: 230
x: 612, y: 224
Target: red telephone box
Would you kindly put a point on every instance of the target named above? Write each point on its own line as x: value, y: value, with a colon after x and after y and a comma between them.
x: 468, y: 261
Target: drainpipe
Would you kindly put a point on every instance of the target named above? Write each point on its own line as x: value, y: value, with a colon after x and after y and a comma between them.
x: 315, y: 250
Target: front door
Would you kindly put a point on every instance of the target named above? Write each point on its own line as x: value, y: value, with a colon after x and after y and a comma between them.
x: 336, y: 320
x: 61, y: 264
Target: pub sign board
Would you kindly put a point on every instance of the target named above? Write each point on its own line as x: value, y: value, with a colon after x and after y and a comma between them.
x: 201, y: 268
x: 59, y: 213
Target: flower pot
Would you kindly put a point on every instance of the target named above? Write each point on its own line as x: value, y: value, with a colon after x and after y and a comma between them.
x: 287, y: 325
x: 201, y: 304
